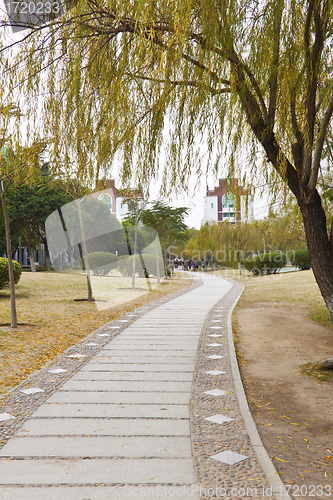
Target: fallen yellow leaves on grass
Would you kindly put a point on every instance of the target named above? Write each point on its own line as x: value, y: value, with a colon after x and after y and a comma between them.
x: 50, y: 321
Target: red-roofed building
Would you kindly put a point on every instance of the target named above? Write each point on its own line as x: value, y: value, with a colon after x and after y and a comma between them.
x: 107, y: 192
x: 224, y: 202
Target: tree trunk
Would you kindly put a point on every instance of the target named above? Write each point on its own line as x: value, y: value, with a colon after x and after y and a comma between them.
x: 47, y: 255
x: 9, y: 257
x: 157, y: 261
x: 20, y: 251
x: 319, y: 246
x: 165, y: 259
x: 171, y: 260
x: 71, y: 256
x: 85, y: 250
x: 58, y: 262
x: 32, y: 259
x: 135, y: 250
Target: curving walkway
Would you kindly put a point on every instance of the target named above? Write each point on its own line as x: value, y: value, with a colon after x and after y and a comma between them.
x: 125, y: 426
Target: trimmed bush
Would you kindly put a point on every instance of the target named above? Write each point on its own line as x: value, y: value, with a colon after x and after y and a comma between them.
x: 4, y: 274
x: 101, y: 263
x: 149, y: 267
x: 125, y: 265
x: 301, y: 259
x: 267, y: 263
x: 151, y: 264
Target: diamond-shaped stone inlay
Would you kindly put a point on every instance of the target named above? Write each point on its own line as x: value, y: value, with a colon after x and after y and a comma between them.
x: 33, y: 390
x: 214, y: 356
x: 5, y: 416
x: 57, y: 370
x: 214, y: 345
x: 103, y: 334
x: 215, y: 392
x: 215, y: 335
x: 76, y: 356
x: 215, y: 372
x: 218, y: 419
x: 91, y: 344
x: 229, y: 457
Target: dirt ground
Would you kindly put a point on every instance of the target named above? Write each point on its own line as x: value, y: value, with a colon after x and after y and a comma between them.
x: 293, y: 413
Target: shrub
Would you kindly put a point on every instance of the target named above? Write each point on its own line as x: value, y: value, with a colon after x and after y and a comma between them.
x: 267, y: 263
x: 301, y: 259
x: 101, y: 263
x: 150, y: 264
x: 125, y: 265
x: 148, y: 268
x: 4, y: 274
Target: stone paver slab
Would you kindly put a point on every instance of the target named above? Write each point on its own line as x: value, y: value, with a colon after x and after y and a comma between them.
x: 138, y: 367
x: 170, y: 339
x: 99, y: 492
x: 128, y: 375
x: 129, y: 447
x: 158, y: 360
x: 78, y: 471
x: 112, y: 410
x: 141, y: 346
x: 153, y: 353
x: 104, y: 427
x: 177, y: 398
x: 125, y: 385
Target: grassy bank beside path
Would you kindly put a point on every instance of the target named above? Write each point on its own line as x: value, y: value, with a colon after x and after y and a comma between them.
x: 293, y: 288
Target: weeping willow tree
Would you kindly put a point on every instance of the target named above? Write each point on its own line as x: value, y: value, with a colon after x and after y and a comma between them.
x: 130, y: 79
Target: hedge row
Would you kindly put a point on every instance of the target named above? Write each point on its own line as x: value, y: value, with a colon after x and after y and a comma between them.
x: 301, y: 259
x: 101, y: 264
x: 4, y: 274
x: 147, y: 267
x: 267, y: 263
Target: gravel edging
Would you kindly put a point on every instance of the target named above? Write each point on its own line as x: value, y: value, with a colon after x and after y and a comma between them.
x: 21, y: 406
x: 254, y: 476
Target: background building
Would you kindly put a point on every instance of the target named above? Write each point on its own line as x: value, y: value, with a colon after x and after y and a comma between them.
x: 107, y: 192
x: 226, y: 202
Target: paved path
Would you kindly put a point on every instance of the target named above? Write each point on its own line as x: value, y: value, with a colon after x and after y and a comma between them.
x: 119, y: 428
